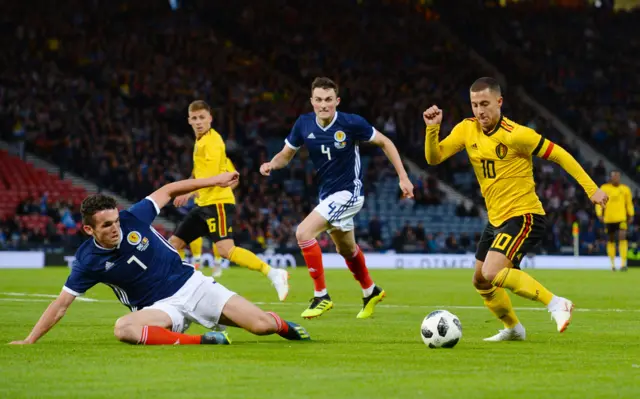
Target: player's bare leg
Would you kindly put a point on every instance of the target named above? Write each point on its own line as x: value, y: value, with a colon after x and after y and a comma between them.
x: 347, y: 247
x: 623, y: 246
x: 239, y: 312
x: 306, y: 234
x: 498, y: 302
x: 242, y: 257
x: 498, y: 269
x: 178, y: 243
x: 153, y: 327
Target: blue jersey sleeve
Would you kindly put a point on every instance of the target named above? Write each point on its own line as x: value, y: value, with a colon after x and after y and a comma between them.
x: 80, y: 280
x: 361, y: 129
x: 295, y: 139
x: 145, y: 210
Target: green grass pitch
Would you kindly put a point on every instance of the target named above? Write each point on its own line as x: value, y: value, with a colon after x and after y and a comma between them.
x: 382, y: 357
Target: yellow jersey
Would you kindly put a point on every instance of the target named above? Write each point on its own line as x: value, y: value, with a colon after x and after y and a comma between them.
x: 210, y: 159
x: 620, y: 205
x: 503, y: 164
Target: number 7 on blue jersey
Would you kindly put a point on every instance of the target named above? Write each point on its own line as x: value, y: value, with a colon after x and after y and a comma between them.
x: 134, y: 258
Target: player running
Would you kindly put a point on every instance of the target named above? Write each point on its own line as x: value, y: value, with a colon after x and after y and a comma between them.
x: 215, y: 206
x: 195, y: 246
x: 501, y: 151
x: 616, y: 218
x: 147, y: 275
x: 333, y: 139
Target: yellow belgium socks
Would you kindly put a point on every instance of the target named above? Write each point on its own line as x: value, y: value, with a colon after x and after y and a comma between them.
x: 498, y: 302
x: 624, y: 248
x: 182, y: 254
x: 196, y: 252
x: 522, y: 284
x: 611, y: 251
x: 248, y: 259
x: 216, y: 255
x: 196, y: 247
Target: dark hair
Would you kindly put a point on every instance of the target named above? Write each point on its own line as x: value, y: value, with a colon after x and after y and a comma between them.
x: 94, y: 204
x: 199, y: 105
x: 324, y: 83
x: 486, y: 83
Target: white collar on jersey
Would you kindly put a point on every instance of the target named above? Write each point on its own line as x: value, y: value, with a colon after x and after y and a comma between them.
x: 335, y: 118
x: 107, y: 249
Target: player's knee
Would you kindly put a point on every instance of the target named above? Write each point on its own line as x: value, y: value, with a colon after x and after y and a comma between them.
x: 225, y: 252
x: 479, y: 282
x: 177, y: 243
x: 125, y: 331
x: 263, y: 325
x: 489, y: 273
x: 346, y: 251
x: 303, y: 234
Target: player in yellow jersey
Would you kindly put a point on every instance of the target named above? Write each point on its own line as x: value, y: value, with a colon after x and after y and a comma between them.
x: 215, y: 208
x: 196, y: 245
x: 616, y: 217
x: 501, y: 151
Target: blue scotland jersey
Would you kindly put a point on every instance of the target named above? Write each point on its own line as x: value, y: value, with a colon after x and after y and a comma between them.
x: 142, y: 269
x: 333, y: 150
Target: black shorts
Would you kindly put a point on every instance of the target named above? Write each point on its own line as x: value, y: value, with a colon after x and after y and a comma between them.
x: 213, y: 221
x: 513, y: 238
x: 612, y: 228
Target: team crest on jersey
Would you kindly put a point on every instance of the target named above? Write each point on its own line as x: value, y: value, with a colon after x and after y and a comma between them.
x: 501, y: 150
x: 134, y: 238
x: 144, y: 244
x: 340, y: 138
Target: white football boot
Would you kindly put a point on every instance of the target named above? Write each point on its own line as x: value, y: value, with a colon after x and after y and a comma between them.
x: 516, y: 333
x: 561, y: 310
x: 280, y: 281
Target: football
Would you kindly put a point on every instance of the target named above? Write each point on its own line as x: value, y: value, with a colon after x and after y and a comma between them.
x: 441, y: 329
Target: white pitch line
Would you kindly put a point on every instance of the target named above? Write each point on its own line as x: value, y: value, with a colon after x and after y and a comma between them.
x: 436, y: 307
x: 82, y: 299
x: 346, y: 305
x: 23, y: 300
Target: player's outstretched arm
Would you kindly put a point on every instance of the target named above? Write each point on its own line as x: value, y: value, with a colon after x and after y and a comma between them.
x: 279, y: 161
x: 436, y: 151
x: 49, y: 318
x: 163, y: 195
x: 553, y: 152
x: 392, y: 154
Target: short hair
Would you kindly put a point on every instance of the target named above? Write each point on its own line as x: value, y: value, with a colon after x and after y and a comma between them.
x: 614, y: 171
x: 486, y: 83
x: 324, y: 83
x: 199, y: 105
x: 94, y: 204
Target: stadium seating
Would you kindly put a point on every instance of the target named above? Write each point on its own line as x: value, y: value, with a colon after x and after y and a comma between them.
x: 42, y: 193
x: 129, y: 133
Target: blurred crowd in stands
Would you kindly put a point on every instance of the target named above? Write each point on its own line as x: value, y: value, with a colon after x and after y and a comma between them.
x: 101, y: 89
